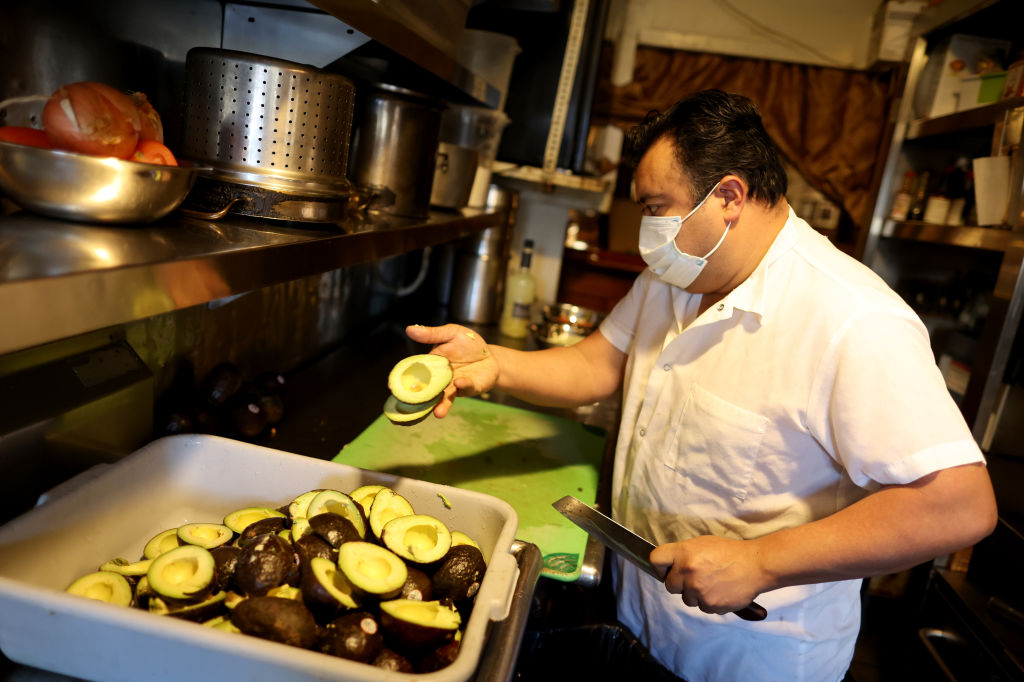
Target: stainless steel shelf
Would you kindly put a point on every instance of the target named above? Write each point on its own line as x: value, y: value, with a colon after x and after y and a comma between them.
x: 59, y: 279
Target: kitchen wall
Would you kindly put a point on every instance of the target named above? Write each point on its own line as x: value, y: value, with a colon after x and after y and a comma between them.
x: 821, y: 32
x: 832, y: 33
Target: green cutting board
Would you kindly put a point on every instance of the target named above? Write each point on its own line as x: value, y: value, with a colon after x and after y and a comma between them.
x: 526, y: 458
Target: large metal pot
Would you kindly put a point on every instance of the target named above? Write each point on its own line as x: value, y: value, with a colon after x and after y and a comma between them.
x: 481, y: 260
x: 267, y: 122
x: 394, y: 149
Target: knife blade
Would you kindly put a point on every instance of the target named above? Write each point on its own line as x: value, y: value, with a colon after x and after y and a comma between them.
x: 628, y: 544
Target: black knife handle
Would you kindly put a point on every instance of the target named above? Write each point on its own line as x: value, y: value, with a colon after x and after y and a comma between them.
x: 752, y: 611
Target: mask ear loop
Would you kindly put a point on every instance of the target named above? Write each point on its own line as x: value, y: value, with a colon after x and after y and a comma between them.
x: 727, y: 226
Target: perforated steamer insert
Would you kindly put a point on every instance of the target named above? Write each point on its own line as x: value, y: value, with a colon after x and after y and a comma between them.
x: 269, y: 128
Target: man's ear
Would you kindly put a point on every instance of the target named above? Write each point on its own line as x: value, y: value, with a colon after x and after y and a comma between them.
x: 732, y: 191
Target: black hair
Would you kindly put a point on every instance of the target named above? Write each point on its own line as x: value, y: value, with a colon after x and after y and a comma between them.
x: 715, y: 134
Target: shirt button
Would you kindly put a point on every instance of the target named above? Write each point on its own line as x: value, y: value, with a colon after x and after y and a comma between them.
x: 721, y: 307
x: 643, y: 432
x: 667, y: 368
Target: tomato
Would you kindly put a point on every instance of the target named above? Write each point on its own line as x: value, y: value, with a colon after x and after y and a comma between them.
x: 151, y: 151
x: 32, y: 137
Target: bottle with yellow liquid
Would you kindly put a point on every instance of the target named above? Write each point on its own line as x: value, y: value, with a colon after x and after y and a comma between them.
x: 520, y: 290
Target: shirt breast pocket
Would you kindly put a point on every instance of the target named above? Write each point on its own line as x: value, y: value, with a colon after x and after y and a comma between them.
x: 717, y: 445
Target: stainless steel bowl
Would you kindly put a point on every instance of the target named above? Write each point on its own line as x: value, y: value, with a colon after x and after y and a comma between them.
x: 574, y: 315
x: 91, y: 188
x: 558, y: 333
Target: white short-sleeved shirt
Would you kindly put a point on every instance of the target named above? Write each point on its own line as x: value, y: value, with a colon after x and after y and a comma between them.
x: 805, y: 388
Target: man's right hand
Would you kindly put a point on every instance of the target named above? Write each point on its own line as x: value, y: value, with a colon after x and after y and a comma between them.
x: 474, y: 366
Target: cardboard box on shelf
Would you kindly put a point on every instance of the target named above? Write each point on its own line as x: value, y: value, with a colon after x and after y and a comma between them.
x: 890, y: 29
x: 946, y: 84
x: 1014, y: 84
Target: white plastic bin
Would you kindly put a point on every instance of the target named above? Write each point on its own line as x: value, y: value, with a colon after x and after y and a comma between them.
x: 180, y: 479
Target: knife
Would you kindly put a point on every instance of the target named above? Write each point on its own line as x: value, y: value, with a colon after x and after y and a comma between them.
x: 628, y: 544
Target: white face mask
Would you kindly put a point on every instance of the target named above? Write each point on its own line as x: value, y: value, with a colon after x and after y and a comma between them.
x: 658, y: 247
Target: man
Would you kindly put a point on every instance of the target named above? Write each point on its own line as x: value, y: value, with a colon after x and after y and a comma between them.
x: 785, y: 430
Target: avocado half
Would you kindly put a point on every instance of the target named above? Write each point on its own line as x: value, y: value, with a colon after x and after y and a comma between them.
x: 406, y: 414
x: 419, y: 379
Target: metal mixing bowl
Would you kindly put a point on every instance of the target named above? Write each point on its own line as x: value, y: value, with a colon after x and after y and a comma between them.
x: 567, y: 313
x: 91, y: 188
x: 565, y: 324
x: 550, y: 334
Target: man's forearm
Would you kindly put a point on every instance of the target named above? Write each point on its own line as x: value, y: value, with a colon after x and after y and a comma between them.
x: 561, y: 377
x: 886, y: 532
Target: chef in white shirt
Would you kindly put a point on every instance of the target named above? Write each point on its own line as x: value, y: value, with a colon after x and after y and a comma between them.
x: 785, y: 430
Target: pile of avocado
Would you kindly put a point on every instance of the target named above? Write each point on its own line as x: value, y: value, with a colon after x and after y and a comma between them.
x: 417, y: 384
x: 357, y: 575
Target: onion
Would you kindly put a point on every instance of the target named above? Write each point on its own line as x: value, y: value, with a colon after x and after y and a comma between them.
x: 152, y: 126
x: 92, y: 118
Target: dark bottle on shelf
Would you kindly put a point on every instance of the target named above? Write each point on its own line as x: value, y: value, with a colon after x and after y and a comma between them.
x: 936, y: 209
x: 957, y: 192
x: 920, y: 198
x: 901, y: 201
x: 969, y: 213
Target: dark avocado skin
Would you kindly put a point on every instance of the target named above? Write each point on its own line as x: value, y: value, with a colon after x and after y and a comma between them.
x: 226, y: 559
x: 314, y: 546
x: 389, y: 659
x: 334, y: 528
x: 356, y: 636
x: 439, y: 658
x: 417, y: 586
x: 203, y: 610
x: 281, y: 620
x: 266, y: 562
x: 258, y: 528
x: 221, y: 384
x: 459, y: 575
x: 317, y: 598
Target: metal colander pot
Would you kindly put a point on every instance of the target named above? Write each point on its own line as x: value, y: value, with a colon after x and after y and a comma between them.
x: 268, y: 122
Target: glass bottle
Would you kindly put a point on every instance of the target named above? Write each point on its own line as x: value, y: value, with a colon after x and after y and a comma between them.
x: 519, y: 294
x: 905, y: 195
x: 969, y: 214
x: 957, y: 192
x: 937, y: 207
x: 917, y: 205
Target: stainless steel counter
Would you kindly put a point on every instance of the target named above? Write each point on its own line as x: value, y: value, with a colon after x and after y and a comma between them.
x: 59, y: 279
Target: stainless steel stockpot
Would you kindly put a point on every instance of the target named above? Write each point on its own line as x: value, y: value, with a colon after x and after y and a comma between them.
x: 394, y: 149
x: 268, y: 122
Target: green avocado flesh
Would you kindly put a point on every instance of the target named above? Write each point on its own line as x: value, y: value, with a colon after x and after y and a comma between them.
x: 208, y: 535
x: 417, y: 537
x: 419, y: 379
x: 372, y: 569
x: 240, y: 519
x: 182, y: 573
x: 105, y: 586
x: 163, y: 541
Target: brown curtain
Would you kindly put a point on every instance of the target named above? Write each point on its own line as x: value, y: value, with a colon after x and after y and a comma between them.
x: 829, y: 123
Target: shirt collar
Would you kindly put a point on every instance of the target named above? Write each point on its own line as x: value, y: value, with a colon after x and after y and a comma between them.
x: 752, y: 294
